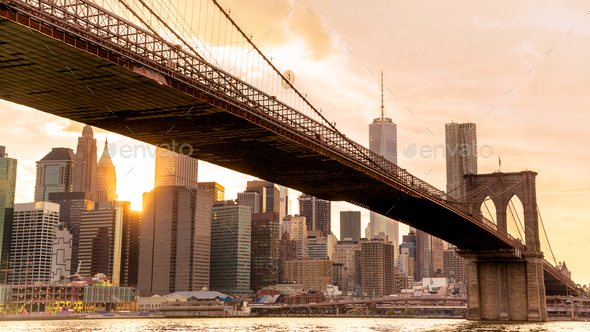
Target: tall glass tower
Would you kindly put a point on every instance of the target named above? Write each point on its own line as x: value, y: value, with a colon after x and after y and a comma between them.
x: 7, y: 191
x: 383, y: 141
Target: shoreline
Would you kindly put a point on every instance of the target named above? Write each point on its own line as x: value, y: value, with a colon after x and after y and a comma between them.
x: 20, y: 318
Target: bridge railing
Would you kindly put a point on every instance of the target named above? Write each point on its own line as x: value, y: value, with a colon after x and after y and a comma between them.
x: 105, y: 29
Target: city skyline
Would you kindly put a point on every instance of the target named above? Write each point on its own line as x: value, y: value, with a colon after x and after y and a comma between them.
x: 561, y: 194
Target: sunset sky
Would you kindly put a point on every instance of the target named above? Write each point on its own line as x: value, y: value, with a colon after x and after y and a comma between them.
x: 443, y: 61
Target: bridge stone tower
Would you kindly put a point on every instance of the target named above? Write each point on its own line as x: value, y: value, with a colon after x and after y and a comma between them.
x: 506, y: 283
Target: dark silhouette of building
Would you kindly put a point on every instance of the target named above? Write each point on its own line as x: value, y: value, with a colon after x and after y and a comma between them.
x: 264, y: 263
x: 55, y: 173
x: 350, y: 225
x: 108, y: 242
x: 85, y: 170
x: 71, y: 205
x: 377, y: 267
x: 7, y: 193
x: 175, y: 240
x: 317, y: 213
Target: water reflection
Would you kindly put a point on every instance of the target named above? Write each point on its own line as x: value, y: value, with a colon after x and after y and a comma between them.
x: 286, y: 324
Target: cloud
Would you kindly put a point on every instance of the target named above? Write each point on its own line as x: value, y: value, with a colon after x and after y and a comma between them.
x: 585, y: 189
x: 274, y: 23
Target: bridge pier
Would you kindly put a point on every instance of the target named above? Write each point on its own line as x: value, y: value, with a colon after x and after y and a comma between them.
x: 503, y: 286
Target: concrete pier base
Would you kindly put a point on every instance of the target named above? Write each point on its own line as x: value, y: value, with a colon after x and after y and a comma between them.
x: 505, y: 289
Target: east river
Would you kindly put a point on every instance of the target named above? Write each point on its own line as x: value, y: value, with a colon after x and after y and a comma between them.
x: 284, y: 325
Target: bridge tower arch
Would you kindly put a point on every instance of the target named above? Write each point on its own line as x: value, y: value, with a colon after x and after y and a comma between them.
x: 501, y: 187
x: 506, y: 283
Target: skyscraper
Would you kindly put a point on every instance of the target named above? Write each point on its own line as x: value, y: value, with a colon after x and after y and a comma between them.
x: 288, y: 251
x: 55, y: 173
x: 106, y: 178
x: 270, y: 195
x: 175, y: 240
x: 230, y: 247
x: 409, y: 243
x: 33, y: 234
x: 251, y: 199
x: 297, y: 229
x: 461, y: 155
x: 317, y: 213
x: 85, y: 170
x: 344, y: 253
x: 109, y: 237
x: 217, y: 191
x: 7, y: 191
x: 285, y: 208
x: 383, y: 141
x: 350, y: 225
x: 264, y: 265
x: 454, y: 266
x: 424, y: 264
x: 71, y: 206
x: 174, y: 169
x: 377, y: 267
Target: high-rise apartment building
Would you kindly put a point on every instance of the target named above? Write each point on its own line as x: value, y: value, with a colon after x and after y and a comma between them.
x: 33, y: 234
x: 7, y: 193
x: 313, y: 274
x: 297, y: 229
x: 454, y: 266
x: 383, y: 141
x: 175, y: 240
x: 61, y: 262
x: 344, y: 254
x: 264, y: 262
x: 437, y: 256
x: 175, y: 169
x: 109, y: 241
x: 377, y: 267
x: 85, y: 170
x: 251, y: 199
x: 106, y: 178
x: 350, y: 225
x: 288, y: 251
x: 424, y: 263
x: 71, y: 205
x: 55, y: 173
x: 230, y: 247
x: 461, y: 155
x: 270, y: 195
x: 217, y: 191
x: 317, y: 213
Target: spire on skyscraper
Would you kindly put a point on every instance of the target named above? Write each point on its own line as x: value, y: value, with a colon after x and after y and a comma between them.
x: 106, y: 179
x: 382, y: 107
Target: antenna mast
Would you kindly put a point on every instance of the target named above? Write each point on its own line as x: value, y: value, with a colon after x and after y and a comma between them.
x: 382, y: 107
